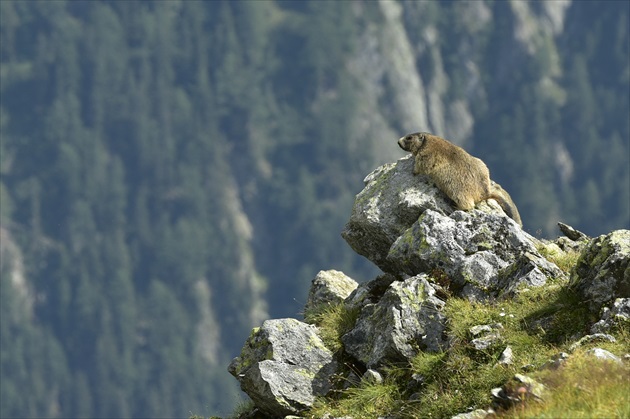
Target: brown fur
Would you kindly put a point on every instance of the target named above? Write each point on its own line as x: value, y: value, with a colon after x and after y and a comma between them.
x: 463, y: 178
x: 510, y: 207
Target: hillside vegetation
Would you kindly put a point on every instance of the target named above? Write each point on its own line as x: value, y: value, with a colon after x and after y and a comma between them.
x: 455, y: 381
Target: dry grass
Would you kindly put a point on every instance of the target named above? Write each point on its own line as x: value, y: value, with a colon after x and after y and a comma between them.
x: 583, y: 388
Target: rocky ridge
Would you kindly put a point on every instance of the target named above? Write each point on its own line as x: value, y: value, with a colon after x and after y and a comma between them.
x: 428, y: 253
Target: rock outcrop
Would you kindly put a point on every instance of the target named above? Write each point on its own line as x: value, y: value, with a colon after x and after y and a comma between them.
x: 603, y: 270
x: 406, y: 226
x: 428, y: 252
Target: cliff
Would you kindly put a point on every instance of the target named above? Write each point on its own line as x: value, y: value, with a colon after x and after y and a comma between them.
x: 470, y: 317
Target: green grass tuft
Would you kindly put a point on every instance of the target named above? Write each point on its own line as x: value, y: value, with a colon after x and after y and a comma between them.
x: 333, y: 321
x: 368, y: 400
x: 563, y: 260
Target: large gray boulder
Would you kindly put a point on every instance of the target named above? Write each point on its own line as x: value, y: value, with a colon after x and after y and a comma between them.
x: 406, y: 226
x: 283, y: 366
x: 390, y: 203
x: 602, y: 273
x: 482, y: 254
x: 406, y: 320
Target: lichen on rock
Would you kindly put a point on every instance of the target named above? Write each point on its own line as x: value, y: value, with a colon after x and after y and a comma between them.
x: 406, y: 226
x: 283, y: 366
x: 602, y: 273
x: 329, y: 287
x: 406, y: 320
x: 484, y: 255
x: 391, y: 201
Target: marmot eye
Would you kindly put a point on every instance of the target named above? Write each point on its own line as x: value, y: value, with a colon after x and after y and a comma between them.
x: 408, y: 137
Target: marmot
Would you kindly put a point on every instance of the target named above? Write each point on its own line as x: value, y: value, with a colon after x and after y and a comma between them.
x: 512, y: 211
x: 463, y: 178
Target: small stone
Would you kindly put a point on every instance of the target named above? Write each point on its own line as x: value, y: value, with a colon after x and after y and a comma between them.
x: 618, y: 315
x: 329, y: 287
x: 506, y: 357
x: 604, y: 355
x: 499, y: 396
x: 373, y: 376
x: 416, y: 380
x: 597, y: 337
x: 369, y: 292
x: 406, y: 319
x: 485, y: 328
x: 556, y: 361
x: 284, y: 366
x: 475, y: 414
x: 484, y: 343
x: 489, y: 334
x: 572, y: 233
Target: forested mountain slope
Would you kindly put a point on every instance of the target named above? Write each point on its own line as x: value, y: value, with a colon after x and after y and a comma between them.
x: 174, y: 172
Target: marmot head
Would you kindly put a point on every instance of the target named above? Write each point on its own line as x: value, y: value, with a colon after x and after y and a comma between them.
x: 413, y: 142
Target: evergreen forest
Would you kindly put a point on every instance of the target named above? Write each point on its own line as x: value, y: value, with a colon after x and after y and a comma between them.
x: 172, y: 173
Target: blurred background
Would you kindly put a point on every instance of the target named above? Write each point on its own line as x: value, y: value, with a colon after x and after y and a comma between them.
x: 175, y: 172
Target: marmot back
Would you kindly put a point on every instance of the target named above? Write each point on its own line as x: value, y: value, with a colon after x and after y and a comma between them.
x: 463, y: 178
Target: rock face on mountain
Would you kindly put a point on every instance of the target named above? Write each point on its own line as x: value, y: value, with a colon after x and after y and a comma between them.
x: 428, y: 252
